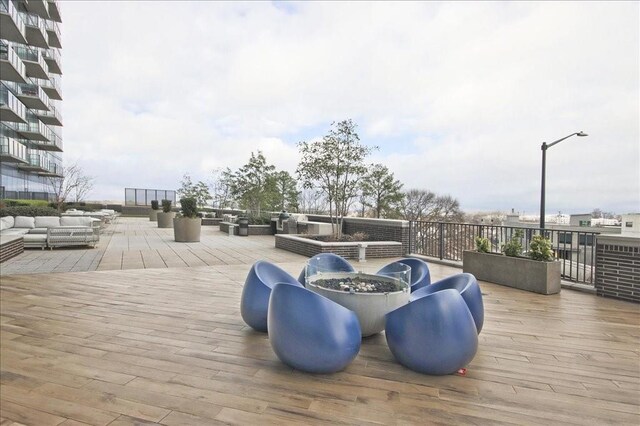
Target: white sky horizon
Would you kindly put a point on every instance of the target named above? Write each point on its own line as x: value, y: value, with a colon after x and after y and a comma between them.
x: 459, y: 96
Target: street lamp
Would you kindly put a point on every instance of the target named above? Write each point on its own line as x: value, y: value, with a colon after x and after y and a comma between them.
x: 544, y: 148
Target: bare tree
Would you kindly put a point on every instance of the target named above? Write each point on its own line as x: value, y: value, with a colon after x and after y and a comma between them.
x: 420, y: 204
x: 73, y: 180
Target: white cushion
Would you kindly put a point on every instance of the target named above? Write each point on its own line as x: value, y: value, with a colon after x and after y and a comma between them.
x: 24, y: 222
x: 76, y: 221
x: 39, y: 230
x: 6, y: 222
x: 47, y: 221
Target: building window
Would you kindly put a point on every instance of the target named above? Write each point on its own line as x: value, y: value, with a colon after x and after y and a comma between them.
x: 585, y: 223
x: 564, y: 237
x: 585, y: 240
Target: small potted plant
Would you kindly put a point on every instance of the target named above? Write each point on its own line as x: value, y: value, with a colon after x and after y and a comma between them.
x: 153, y: 214
x: 165, y: 217
x: 187, y: 226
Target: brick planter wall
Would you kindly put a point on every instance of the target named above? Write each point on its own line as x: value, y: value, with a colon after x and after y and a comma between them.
x: 211, y: 221
x: 618, y: 267
x: 11, y: 247
x: 376, y: 229
x: 309, y: 248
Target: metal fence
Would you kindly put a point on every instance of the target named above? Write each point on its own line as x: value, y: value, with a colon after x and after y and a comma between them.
x: 575, y: 249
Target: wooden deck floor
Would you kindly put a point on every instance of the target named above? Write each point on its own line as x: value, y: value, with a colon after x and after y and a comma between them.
x: 168, y: 346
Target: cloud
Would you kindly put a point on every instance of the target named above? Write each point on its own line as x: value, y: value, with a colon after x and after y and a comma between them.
x: 459, y: 96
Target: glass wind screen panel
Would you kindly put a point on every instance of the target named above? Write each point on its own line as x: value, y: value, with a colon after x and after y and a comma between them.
x: 140, y: 197
x: 151, y: 195
x: 129, y: 196
x: 171, y: 195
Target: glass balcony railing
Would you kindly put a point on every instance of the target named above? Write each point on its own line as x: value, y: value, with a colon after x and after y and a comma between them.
x: 53, y: 27
x: 8, y: 54
x: 52, y: 114
x: 7, y: 7
x: 32, y: 20
x: 12, y: 148
x: 34, y: 130
x: 43, y: 162
x: 52, y: 83
x: 34, y: 91
x: 32, y: 55
x: 53, y: 55
x: 29, y: 54
x: 10, y: 101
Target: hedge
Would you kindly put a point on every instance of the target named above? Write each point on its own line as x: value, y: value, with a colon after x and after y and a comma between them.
x: 28, y: 211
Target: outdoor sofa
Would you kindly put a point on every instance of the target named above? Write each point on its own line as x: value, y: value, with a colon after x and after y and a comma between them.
x: 51, y: 231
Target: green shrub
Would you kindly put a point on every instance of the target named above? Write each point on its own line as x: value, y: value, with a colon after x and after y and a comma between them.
x: 540, y: 249
x: 28, y: 211
x: 513, y: 247
x: 166, y: 206
x: 483, y: 245
x: 33, y: 203
x: 155, y: 205
x: 189, y: 207
x: 259, y: 219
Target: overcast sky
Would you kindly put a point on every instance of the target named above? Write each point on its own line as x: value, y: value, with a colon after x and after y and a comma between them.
x: 458, y: 96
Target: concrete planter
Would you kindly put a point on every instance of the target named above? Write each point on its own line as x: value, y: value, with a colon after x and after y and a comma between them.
x: 187, y: 230
x: 165, y: 220
x: 153, y: 215
x: 516, y: 272
x: 370, y: 308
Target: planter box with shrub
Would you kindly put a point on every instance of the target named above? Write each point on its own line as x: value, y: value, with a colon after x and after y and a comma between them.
x: 539, y: 273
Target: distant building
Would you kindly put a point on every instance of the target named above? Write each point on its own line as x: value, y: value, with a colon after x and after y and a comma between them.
x: 30, y: 95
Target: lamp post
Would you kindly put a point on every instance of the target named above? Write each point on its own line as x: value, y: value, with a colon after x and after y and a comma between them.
x: 544, y: 148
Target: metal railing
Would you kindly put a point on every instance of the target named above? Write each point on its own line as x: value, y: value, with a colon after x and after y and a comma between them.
x: 447, y: 241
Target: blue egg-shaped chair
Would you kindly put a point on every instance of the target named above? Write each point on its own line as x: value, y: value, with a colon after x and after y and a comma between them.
x: 434, y: 334
x: 420, y: 275
x: 256, y: 291
x: 310, y: 332
x: 325, y: 262
x: 467, y: 286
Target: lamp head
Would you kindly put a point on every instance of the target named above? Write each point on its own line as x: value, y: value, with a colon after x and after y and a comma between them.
x: 581, y: 134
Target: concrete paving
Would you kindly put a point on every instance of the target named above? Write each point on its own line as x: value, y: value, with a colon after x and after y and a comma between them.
x: 137, y: 243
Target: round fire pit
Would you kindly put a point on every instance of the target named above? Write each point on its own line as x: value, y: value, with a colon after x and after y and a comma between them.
x: 370, y: 296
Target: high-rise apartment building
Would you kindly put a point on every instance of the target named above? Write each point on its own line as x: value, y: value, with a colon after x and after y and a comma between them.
x: 30, y: 95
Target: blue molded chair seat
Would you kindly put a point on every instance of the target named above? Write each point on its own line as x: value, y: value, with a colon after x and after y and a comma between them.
x: 257, y: 289
x: 434, y: 334
x: 420, y: 275
x: 325, y: 262
x: 467, y: 286
x: 310, y: 332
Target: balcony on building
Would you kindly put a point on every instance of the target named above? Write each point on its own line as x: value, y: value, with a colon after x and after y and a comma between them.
x: 11, y: 66
x: 34, y: 62
x: 36, y: 30
x: 31, y: 95
x: 37, y: 132
x: 38, y: 7
x: 53, y: 32
x: 54, y: 11
x: 53, y: 143
x: 12, y: 26
x: 50, y: 116
x: 41, y: 163
x: 12, y: 151
x: 52, y: 58
x: 51, y: 86
x: 11, y: 109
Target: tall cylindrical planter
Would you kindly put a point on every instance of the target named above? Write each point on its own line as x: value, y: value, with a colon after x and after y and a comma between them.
x: 165, y: 220
x: 187, y: 230
x: 153, y: 215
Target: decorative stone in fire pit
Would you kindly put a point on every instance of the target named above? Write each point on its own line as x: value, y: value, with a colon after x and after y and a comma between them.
x: 370, y: 296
